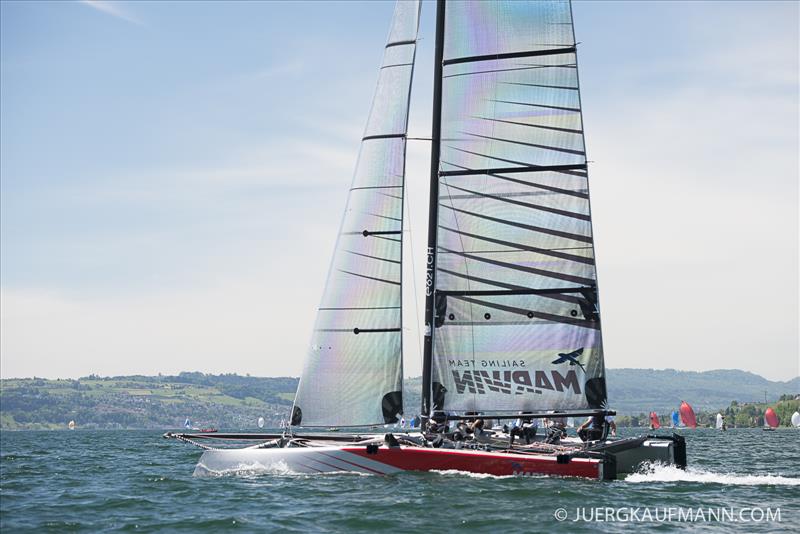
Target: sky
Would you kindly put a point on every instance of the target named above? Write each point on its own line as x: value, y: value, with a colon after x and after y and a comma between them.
x: 172, y: 177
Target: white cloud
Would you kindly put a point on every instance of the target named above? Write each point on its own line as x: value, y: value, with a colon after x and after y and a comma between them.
x: 695, y: 204
x: 256, y: 325
x: 694, y: 199
x: 268, y: 165
x: 114, y: 9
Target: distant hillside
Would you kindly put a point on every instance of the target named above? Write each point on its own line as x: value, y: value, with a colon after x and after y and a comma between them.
x: 229, y: 401
x: 632, y: 391
x: 236, y: 402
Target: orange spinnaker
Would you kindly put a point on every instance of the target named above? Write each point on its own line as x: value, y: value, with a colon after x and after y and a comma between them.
x: 687, y: 415
x: 654, y: 422
x: 772, y: 418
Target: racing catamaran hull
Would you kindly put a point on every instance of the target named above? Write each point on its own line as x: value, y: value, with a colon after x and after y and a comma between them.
x: 605, y: 462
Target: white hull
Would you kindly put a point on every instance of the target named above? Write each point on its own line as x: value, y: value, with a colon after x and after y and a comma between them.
x: 615, y: 458
x: 303, y: 460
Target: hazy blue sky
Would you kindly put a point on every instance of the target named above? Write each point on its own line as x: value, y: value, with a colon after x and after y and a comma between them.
x: 173, y: 176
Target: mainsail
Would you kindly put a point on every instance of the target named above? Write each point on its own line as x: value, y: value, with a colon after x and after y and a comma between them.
x: 353, y: 372
x: 516, y: 323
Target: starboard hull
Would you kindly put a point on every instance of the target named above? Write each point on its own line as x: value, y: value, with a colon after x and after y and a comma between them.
x: 621, y: 457
x: 390, y: 460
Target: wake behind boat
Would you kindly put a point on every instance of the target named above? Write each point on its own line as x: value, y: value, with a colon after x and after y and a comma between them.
x: 512, y: 318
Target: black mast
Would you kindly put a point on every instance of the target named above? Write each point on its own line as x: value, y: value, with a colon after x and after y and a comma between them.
x: 433, y: 211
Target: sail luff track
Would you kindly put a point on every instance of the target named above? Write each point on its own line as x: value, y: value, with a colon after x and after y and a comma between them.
x: 353, y: 371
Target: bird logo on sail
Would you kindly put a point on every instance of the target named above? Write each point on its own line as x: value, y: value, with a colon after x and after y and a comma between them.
x: 571, y: 357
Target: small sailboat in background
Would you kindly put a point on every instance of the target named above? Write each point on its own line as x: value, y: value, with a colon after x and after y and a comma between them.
x: 188, y: 426
x: 720, y: 424
x: 71, y: 425
x: 260, y: 422
x: 687, y: 415
x: 675, y: 418
x: 655, y: 424
x: 771, y: 420
x: 796, y: 419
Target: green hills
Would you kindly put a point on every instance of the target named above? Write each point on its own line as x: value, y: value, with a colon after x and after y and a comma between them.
x: 233, y: 401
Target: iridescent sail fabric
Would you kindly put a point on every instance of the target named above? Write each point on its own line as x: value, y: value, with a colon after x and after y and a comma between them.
x: 353, y: 372
x: 517, y: 322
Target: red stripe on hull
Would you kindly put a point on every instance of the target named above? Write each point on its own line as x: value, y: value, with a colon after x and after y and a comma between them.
x: 423, y: 459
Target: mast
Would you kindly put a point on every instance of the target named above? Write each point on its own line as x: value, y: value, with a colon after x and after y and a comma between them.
x: 433, y: 210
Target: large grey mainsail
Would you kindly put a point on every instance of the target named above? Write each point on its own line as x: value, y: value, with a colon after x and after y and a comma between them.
x: 353, y: 372
x: 516, y: 318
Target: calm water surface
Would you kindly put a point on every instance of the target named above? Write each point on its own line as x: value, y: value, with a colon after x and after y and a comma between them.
x: 135, y: 480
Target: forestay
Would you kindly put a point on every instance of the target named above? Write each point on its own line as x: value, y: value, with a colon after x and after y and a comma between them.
x: 517, y: 323
x: 353, y: 371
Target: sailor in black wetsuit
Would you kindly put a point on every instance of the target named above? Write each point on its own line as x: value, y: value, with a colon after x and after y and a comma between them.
x: 557, y: 428
x: 437, y: 423
x: 525, y: 427
x: 592, y: 429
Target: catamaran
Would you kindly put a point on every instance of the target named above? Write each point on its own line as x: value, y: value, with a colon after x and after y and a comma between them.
x: 512, y: 329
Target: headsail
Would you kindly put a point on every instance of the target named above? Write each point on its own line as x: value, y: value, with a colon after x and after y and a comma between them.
x: 353, y: 371
x: 516, y: 318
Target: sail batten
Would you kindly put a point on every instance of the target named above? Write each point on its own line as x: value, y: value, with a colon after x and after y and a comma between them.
x: 491, y: 171
x: 353, y: 371
x: 515, y: 283
x: 510, y: 55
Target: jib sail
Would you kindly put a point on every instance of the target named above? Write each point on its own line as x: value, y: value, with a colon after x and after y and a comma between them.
x: 353, y: 372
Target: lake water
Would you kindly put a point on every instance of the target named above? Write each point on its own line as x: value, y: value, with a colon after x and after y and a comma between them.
x: 136, y: 480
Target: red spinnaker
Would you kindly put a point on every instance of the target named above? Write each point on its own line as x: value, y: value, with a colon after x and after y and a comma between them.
x: 771, y: 418
x: 687, y: 415
x: 654, y: 422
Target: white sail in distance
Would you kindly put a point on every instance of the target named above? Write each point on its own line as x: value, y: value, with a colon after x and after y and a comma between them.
x: 353, y: 372
x: 517, y: 320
